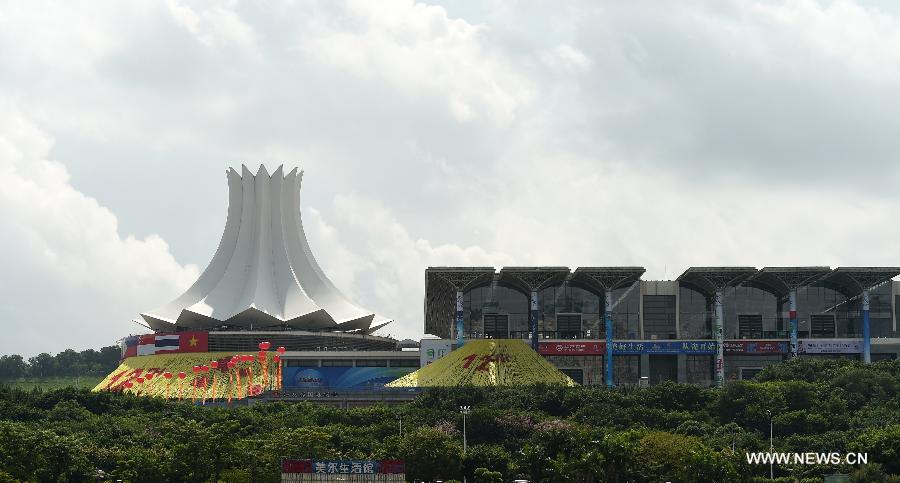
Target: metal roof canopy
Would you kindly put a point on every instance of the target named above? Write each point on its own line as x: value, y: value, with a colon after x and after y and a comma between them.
x: 603, y: 279
x: 532, y: 279
x: 460, y: 278
x: 781, y: 280
x: 712, y: 279
x: 852, y: 281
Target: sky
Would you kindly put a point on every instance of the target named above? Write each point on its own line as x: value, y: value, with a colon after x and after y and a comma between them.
x: 491, y: 133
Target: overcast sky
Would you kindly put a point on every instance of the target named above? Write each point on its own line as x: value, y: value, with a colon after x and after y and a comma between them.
x: 661, y: 134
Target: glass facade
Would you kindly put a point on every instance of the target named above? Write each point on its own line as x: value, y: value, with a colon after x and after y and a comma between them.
x: 670, y: 311
x: 818, y: 303
x: 659, y: 317
x: 881, y: 321
x: 694, y: 313
x: 562, y: 304
x: 758, y: 309
x: 627, y: 313
x: 482, y: 305
x: 566, y: 311
x: 570, y: 311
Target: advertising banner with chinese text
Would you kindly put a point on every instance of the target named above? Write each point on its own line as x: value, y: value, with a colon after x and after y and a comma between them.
x: 751, y: 347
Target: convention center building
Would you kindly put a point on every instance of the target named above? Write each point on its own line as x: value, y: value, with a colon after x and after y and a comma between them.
x: 605, y: 325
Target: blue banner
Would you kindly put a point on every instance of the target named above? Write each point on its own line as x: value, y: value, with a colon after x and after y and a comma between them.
x: 314, y: 378
x: 666, y: 347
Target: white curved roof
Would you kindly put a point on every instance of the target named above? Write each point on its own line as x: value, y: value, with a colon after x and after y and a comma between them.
x: 263, y: 273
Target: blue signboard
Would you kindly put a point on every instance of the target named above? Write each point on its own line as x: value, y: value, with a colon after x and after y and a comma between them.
x: 665, y: 347
x: 314, y: 378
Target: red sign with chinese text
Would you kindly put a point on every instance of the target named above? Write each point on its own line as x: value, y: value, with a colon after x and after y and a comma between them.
x: 754, y: 347
x: 573, y: 348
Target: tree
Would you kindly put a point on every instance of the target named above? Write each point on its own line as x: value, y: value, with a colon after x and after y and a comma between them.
x: 431, y: 455
x: 882, y: 444
x: 491, y: 456
x: 12, y: 367
x: 42, y: 365
x: 484, y: 475
x: 673, y: 457
x: 68, y: 363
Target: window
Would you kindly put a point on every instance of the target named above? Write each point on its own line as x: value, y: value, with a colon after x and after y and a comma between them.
x: 301, y: 363
x: 404, y: 362
x: 496, y: 326
x: 337, y: 363
x: 568, y: 326
x: 750, y: 326
x: 659, y: 316
x: 822, y: 325
x: 371, y: 363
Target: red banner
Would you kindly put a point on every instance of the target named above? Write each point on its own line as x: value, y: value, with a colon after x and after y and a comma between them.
x: 573, y: 348
x: 755, y: 347
x: 296, y: 466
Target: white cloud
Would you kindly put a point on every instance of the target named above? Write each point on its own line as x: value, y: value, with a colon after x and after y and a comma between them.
x: 421, y: 52
x: 489, y: 133
x: 71, y: 279
x: 386, y: 272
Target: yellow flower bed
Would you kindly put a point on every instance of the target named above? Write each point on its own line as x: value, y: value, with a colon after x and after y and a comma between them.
x: 487, y: 362
x: 222, y: 383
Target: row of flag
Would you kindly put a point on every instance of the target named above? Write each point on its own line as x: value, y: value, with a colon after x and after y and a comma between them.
x: 152, y: 344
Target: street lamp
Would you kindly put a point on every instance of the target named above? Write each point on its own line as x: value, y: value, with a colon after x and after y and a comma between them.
x: 464, y: 410
x: 771, y: 447
x: 400, y: 417
x: 732, y: 440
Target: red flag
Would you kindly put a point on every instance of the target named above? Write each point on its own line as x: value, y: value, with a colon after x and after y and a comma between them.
x: 193, y: 342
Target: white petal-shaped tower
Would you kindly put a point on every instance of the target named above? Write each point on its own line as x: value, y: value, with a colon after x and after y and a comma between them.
x: 263, y: 274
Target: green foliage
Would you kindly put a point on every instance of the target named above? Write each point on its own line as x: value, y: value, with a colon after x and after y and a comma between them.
x: 883, y: 445
x: 488, y: 456
x: 669, y: 432
x: 484, y: 475
x: 431, y: 454
x: 66, y: 364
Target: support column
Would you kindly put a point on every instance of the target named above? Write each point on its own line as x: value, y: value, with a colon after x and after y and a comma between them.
x: 534, y: 321
x: 682, y: 368
x: 644, y: 369
x: 867, y: 336
x: 720, y: 340
x: 460, y: 329
x: 792, y: 313
x: 607, y: 318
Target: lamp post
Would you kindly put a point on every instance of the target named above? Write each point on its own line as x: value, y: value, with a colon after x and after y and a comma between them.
x: 464, y: 410
x: 771, y: 446
x: 732, y: 440
x: 400, y: 417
